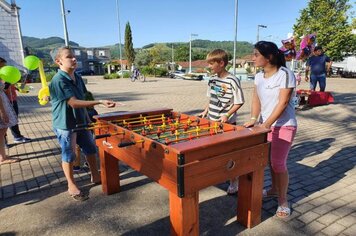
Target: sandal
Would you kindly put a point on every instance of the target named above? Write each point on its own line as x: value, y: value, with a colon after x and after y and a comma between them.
x: 283, y: 212
x: 232, y: 189
x: 80, y: 197
x: 267, y: 194
x: 9, y: 160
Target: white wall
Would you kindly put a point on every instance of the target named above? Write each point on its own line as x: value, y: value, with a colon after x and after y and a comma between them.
x: 10, y: 48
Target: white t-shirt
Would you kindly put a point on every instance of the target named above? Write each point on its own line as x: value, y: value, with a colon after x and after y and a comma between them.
x: 268, y: 93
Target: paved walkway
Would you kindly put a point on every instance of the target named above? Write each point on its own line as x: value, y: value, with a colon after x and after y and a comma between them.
x: 33, y: 198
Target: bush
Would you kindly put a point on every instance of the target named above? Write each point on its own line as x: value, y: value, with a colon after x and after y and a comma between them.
x: 111, y: 76
x: 148, y: 70
x: 116, y: 76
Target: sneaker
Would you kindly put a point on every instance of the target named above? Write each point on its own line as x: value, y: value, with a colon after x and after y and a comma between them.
x: 22, y: 140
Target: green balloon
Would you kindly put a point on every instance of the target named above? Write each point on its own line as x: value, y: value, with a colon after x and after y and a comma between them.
x: 10, y: 74
x: 31, y: 62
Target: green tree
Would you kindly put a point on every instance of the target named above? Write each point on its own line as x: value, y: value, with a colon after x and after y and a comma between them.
x: 143, y: 58
x: 181, y: 53
x: 329, y: 20
x: 129, y: 50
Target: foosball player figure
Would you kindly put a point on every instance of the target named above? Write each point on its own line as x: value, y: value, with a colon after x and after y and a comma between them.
x: 225, y: 96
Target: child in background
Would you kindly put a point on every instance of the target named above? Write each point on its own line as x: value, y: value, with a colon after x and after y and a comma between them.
x: 225, y: 96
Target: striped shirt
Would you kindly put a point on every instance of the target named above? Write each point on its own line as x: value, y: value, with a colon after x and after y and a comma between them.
x: 224, y: 93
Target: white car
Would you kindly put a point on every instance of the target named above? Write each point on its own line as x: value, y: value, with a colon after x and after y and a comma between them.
x: 176, y: 74
x: 122, y: 72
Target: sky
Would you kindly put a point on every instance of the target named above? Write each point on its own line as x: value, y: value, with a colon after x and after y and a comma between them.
x: 94, y: 23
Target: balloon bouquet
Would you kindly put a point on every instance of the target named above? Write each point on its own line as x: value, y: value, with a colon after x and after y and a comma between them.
x: 288, y: 48
x: 32, y: 63
x: 307, y: 46
x: 12, y: 75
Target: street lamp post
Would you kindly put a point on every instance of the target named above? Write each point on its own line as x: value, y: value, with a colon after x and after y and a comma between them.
x: 190, y: 52
x: 258, y: 31
x: 66, y: 40
x: 235, y: 38
x: 120, y: 52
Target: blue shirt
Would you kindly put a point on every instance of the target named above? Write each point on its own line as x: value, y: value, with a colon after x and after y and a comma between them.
x: 61, y: 89
x: 317, y: 64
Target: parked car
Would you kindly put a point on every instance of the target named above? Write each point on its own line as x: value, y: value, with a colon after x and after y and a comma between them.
x: 122, y: 72
x: 84, y: 72
x: 176, y: 74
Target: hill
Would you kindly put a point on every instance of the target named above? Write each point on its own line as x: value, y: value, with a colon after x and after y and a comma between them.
x: 42, y: 47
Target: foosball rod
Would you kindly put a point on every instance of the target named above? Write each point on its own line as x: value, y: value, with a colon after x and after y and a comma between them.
x: 99, y: 136
x: 179, y: 126
x: 168, y: 128
x: 89, y: 128
x: 139, y: 117
x: 186, y: 132
x: 191, y: 137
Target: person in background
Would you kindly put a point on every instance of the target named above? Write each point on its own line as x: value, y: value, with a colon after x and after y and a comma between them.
x: 10, y: 91
x: 272, y: 100
x: 225, y: 97
x: 318, y: 65
x: 8, y: 118
x: 67, y: 91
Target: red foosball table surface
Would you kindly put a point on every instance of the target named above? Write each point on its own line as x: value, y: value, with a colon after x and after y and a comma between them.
x: 184, y: 154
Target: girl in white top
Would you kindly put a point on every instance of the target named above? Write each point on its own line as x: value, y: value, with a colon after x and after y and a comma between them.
x: 272, y: 101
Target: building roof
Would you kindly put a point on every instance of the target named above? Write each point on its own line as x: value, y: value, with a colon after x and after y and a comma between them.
x: 195, y: 64
x: 124, y: 61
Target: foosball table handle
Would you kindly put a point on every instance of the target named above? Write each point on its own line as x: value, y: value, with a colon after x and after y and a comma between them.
x: 126, y: 144
x: 102, y: 136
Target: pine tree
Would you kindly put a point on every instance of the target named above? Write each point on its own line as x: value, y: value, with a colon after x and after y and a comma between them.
x: 129, y: 50
x: 329, y: 20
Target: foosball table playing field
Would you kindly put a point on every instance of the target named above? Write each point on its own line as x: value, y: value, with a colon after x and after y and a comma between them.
x: 184, y: 154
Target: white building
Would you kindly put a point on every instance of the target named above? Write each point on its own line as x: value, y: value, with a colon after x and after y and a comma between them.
x: 11, y: 48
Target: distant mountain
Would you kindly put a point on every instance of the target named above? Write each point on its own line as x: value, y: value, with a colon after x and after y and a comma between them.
x: 42, y: 47
x: 51, y: 42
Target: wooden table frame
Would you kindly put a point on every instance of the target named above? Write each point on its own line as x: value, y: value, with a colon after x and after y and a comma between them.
x: 183, y: 172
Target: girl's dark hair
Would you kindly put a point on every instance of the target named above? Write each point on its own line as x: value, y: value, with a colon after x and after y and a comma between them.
x: 271, y: 52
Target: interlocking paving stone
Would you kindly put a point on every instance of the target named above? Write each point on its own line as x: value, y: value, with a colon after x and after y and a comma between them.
x: 321, y: 163
x: 333, y: 229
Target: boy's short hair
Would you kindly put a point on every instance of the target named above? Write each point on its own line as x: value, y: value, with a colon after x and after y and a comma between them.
x: 60, y: 50
x: 218, y: 55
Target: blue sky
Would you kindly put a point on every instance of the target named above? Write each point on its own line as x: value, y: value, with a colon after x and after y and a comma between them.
x: 93, y: 23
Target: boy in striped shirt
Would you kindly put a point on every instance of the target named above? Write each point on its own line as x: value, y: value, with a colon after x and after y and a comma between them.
x: 225, y: 96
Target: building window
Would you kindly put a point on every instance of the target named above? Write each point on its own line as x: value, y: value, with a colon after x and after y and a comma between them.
x: 90, y: 54
x: 101, y: 53
x: 77, y: 52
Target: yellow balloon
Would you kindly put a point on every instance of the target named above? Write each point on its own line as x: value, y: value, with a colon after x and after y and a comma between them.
x: 43, y: 96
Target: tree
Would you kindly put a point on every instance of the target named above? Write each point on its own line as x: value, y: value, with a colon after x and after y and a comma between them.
x: 329, y: 20
x: 129, y: 50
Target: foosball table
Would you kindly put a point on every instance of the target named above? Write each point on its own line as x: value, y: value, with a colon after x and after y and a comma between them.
x: 184, y: 154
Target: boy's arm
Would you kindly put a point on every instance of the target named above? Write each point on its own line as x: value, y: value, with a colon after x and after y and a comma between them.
x: 205, y: 112
x: 224, y: 118
x: 76, y: 103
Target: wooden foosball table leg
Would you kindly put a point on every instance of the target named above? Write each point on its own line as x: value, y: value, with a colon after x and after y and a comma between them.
x: 109, y: 167
x: 184, y: 214
x: 250, y: 198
